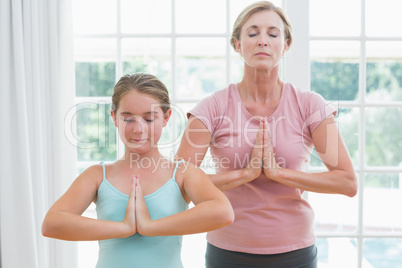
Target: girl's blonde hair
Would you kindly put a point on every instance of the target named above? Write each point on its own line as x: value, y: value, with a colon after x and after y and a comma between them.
x: 143, y: 83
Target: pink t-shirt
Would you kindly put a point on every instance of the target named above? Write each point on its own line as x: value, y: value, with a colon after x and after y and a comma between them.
x: 270, y: 217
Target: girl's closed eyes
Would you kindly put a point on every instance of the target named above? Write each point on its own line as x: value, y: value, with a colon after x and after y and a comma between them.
x: 131, y: 120
x: 148, y: 117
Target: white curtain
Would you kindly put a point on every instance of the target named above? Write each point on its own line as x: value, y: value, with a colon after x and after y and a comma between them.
x: 36, y: 161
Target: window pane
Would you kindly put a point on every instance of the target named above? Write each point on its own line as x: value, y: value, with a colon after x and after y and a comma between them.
x: 384, y: 71
x: 383, y: 136
x: 96, y: 133
x: 180, y: 110
x: 201, y: 66
x: 348, y: 124
x: 142, y: 17
x: 151, y: 55
x: 88, y: 250
x: 173, y: 132
x: 94, y: 78
x: 94, y: 16
x: 207, y: 16
x: 94, y: 66
x: 380, y: 191
x: 337, y: 252
x: 94, y: 49
x: 236, y: 66
x: 335, y: 69
x: 335, y: 18
x: 383, y: 18
x: 334, y: 213
x: 193, y: 250
x: 166, y: 142
x: 382, y: 252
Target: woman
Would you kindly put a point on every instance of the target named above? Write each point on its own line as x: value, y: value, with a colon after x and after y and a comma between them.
x: 261, y: 132
x: 142, y: 198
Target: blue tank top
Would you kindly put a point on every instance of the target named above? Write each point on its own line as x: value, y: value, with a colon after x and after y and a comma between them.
x: 139, y: 251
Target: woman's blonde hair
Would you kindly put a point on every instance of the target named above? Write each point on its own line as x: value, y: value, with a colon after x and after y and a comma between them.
x: 254, y: 8
x: 143, y: 83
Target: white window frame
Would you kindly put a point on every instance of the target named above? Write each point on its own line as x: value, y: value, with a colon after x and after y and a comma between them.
x: 295, y: 69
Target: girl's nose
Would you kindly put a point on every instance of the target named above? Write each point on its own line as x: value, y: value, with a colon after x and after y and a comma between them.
x: 138, y: 128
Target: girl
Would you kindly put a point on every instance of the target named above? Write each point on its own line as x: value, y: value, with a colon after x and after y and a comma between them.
x: 142, y: 198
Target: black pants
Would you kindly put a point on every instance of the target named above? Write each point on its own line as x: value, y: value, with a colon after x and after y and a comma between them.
x: 220, y: 258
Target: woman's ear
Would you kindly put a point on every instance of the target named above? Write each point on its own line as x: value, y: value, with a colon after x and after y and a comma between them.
x: 167, y: 117
x: 238, y: 46
x: 113, y: 115
x: 285, y: 48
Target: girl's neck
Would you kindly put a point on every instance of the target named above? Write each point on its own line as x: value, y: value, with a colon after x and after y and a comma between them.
x: 143, y: 164
x: 150, y: 157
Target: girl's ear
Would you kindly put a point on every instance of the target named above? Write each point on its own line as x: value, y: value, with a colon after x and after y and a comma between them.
x: 112, y: 114
x: 167, y: 117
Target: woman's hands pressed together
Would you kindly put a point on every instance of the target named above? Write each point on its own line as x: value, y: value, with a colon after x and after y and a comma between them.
x: 263, y: 155
x: 254, y: 167
x: 270, y: 167
x: 338, y: 179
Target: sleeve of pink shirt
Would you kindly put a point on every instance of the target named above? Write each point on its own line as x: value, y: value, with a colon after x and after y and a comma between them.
x: 209, y: 109
x: 316, y: 109
x: 313, y: 106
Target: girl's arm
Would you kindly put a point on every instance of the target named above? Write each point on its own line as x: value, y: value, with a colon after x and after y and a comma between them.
x: 211, y: 211
x: 194, y: 146
x: 340, y: 177
x: 64, y: 220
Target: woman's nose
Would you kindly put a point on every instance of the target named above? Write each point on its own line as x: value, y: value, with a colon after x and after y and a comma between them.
x: 262, y: 42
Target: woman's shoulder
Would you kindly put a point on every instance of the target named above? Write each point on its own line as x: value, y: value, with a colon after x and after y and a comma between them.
x: 310, y: 103
x: 303, y: 95
x: 214, y: 105
x: 223, y: 94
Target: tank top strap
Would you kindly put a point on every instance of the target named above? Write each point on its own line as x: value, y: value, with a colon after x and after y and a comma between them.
x: 175, y: 169
x: 104, y: 170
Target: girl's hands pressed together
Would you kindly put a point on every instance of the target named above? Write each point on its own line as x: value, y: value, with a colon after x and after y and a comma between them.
x: 143, y: 219
x: 130, y: 218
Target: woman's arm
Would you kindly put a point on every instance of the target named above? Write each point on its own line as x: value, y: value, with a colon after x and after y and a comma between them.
x: 340, y: 177
x: 64, y: 220
x: 211, y: 211
x: 194, y: 146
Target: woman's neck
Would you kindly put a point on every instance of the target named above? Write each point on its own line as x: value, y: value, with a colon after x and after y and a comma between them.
x: 260, y: 85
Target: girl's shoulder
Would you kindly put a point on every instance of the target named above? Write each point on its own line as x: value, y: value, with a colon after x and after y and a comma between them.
x: 98, y: 172
x: 188, y: 170
x: 93, y: 174
x: 186, y: 174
